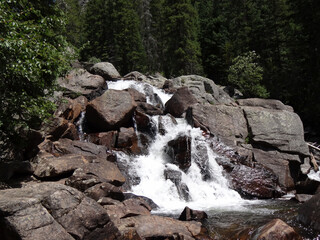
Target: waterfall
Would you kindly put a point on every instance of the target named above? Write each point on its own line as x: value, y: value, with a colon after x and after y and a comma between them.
x: 80, y: 124
x: 203, y: 181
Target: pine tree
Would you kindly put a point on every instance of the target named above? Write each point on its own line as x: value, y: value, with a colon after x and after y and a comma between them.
x: 182, y: 53
x: 113, y: 34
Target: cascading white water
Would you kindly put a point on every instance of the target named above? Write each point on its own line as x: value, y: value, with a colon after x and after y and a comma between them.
x: 150, y: 168
x: 80, y: 124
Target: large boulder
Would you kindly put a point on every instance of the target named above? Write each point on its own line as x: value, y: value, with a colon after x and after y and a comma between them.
x: 255, y: 182
x: 279, y: 129
x: 112, y: 110
x: 180, y: 102
x: 149, y: 109
x: 309, y: 214
x: 176, y: 177
x: 275, y: 230
x: 279, y: 163
x: 225, y: 122
x: 71, y: 109
x: 204, y: 89
x: 52, y: 211
x: 67, y: 146
x: 105, y: 70
x: 179, y: 151
x: 80, y: 82
x: 189, y: 214
x: 156, y: 227
x: 47, y: 166
x: 128, y: 208
x: 107, y: 139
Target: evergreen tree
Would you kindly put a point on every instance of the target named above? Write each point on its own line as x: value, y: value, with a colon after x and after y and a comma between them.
x: 98, y: 35
x: 214, y: 39
x: 74, y: 21
x: 129, y: 51
x: 113, y: 34
x: 148, y: 35
x: 182, y: 53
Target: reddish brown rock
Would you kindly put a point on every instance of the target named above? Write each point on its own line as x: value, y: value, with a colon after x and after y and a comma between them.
x: 67, y: 146
x: 257, y: 182
x: 275, y: 230
x: 180, y: 102
x: 49, y: 166
x: 101, y: 190
x: 110, y: 111
x: 189, y: 214
x: 55, y: 128
x: 137, y: 96
x: 149, y: 109
x: 128, y: 139
x: 107, y: 139
x: 128, y: 208
x: 70, y: 109
x: 71, y: 132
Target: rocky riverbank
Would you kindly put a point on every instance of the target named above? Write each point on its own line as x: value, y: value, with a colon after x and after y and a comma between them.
x: 71, y: 184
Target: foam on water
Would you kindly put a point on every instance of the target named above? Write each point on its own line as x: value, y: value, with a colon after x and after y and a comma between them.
x: 139, y: 86
x: 204, y: 194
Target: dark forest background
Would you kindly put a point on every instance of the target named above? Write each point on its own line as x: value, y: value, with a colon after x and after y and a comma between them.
x: 265, y: 48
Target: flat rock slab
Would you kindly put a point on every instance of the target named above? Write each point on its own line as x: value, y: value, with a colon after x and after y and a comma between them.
x: 283, y: 130
x: 226, y: 122
x: 67, y: 146
x: 50, y: 211
x: 49, y: 166
x: 156, y: 227
x: 79, y: 81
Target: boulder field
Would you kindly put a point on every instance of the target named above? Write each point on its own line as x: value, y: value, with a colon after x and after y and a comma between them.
x: 73, y: 187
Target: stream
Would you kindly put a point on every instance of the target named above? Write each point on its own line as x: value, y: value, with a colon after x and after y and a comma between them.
x: 203, y: 185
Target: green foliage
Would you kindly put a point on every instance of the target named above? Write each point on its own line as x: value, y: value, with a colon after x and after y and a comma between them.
x: 74, y: 21
x: 32, y: 55
x: 182, y: 52
x: 246, y: 74
x: 120, y: 44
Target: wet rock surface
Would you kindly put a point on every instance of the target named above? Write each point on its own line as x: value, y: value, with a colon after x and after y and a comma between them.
x: 258, y: 182
x: 179, y: 151
x: 309, y: 214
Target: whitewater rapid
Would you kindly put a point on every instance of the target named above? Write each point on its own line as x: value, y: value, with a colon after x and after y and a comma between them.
x: 150, y: 168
